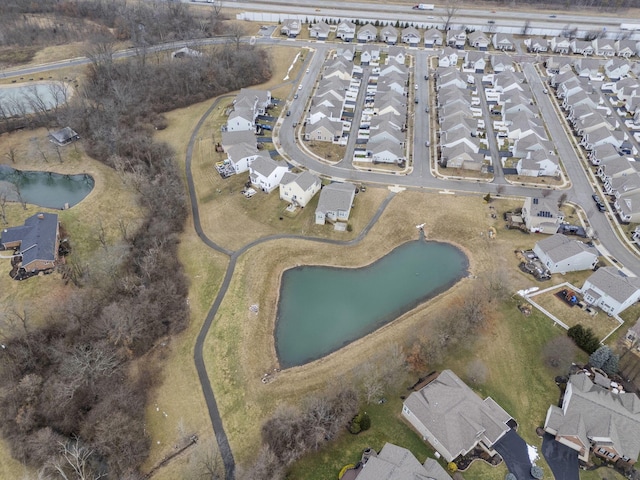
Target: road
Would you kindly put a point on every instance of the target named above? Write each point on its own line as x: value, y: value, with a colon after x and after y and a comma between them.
x: 419, y: 177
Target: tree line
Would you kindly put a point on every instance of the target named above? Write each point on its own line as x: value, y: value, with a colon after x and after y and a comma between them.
x: 73, y: 393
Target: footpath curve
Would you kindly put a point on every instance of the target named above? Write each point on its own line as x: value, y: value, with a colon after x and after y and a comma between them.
x: 214, y: 414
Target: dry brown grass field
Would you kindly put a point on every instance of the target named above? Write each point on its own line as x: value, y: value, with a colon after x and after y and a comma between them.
x: 601, y: 324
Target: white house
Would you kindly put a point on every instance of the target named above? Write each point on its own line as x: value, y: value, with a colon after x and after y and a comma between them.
x: 503, y: 41
x: 265, y: 173
x: 389, y: 34
x: 367, y: 33
x: 291, y: 27
x: 560, y: 254
x: 319, y: 31
x: 611, y: 291
x: 539, y: 163
x: 335, y: 202
x: 411, y: 36
x: 346, y: 31
x: 299, y: 189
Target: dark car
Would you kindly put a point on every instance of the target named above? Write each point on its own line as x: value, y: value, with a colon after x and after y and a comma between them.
x: 602, y: 207
x: 295, y: 96
x: 288, y: 113
x: 596, y: 198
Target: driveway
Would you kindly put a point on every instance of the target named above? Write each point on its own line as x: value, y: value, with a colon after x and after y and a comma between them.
x: 513, y: 450
x: 562, y: 460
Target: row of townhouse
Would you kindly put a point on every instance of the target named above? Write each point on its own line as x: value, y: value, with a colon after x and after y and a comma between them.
x: 600, y: 133
x: 247, y: 105
x: 336, y: 92
x: 348, y: 31
x: 474, y: 61
x: 604, y: 47
x: 460, y: 121
x: 382, y: 125
x: 521, y: 125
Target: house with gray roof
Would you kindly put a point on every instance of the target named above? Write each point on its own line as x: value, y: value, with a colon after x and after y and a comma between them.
x: 265, y: 173
x: 432, y: 38
x: 410, y: 36
x: 611, y: 291
x: 367, y: 33
x: 560, y: 45
x: 64, y: 136
x: 539, y: 163
x: 319, y: 30
x: 503, y: 41
x: 603, y: 153
x: 541, y: 215
x: 627, y: 206
x: 397, y: 463
x: 36, y: 242
x: 501, y: 62
x: 335, y: 202
x: 478, y: 39
x: 560, y: 254
x: 324, y: 130
x: 594, y: 418
x: 453, y: 418
x: 291, y: 27
x: 346, y: 31
x: 300, y: 188
x: 604, y: 47
x: 537, y: 44
x: 389, y: 34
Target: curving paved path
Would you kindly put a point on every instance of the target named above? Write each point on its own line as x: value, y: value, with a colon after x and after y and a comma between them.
x: 207, y: 390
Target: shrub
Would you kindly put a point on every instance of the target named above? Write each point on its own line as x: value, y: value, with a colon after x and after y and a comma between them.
x: 452, y: 467
x: 510, y: 476
x: 365, y: 422
x: 584, y: 338
x: 537, y: 472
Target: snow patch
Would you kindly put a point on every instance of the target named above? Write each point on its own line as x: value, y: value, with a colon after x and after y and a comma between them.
x: 533, y: 454
x: 291, y: 67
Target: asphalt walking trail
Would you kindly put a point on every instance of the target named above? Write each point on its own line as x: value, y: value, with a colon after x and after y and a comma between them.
x: 207, y: 390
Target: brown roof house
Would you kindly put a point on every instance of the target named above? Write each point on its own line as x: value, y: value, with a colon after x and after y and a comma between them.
x: 453, y: 419
x: 594, y: 418
x: 36, y: 241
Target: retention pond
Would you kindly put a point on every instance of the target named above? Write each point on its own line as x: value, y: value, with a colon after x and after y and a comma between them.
x: 45, y: 189
x: 322, y: 309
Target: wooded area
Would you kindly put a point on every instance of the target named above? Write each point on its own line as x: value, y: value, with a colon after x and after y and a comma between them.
x: 73, y: 394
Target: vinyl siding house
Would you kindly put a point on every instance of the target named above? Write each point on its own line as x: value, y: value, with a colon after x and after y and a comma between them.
x: 387, y: 151
x: 474, y: 61
x: 611, y: 291
x: 291, y: 27
x: 335, y: 203
x: 432, y: 38
x: 456, y: 38
x: 319, y: 31
x: 537, y: 45
x: 240, y: 148
x: 603, y: 153
x: 453, y: 419
x: 627, y: 206
x: 346, y: 31
x: 503, y: 41
x: 604, y: 47
x: 448, y: 57
x: 324, y: 130
x: 265, y: 173
x: 411, y: 36
x: 539, y: 163
x: 560, y: 45
x: 541, y: 215
x: 389, y: 35
x: 501, y: 62
x: 37, y: 242
x: 581, y: 47
x: 299, y: 189
x: 478, y: 40
x: 593, y: 418
x: 367, y: 33
x: 617, y: 68
x: 625, y: 48
x: 560, y: 254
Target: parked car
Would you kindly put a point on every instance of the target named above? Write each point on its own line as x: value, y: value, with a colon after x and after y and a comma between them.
x: 288, y: 113
x: 295, y: 96
x: 295, y: 124
x: 427, y: 143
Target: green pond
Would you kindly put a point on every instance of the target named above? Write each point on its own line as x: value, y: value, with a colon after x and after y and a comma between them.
x: 322, y: 309
x: 45, y: 189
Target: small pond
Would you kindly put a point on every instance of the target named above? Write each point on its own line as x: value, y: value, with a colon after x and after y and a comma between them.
x: 45, y: 189
x: 322, y: 309
x: 21, y: 99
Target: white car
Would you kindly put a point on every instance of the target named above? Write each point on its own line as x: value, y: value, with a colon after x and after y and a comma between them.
x: 299, y: 87
x: 416, y: 86
x: 307, y: 70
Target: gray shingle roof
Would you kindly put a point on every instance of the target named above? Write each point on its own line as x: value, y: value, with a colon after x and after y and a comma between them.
x: 559, y: 247
x: 456, y: 416
x: 618, y: 287
x: 593, y: 411
x: 397, y: 463
x: 37, y: 236
x: 336, y: 196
